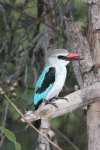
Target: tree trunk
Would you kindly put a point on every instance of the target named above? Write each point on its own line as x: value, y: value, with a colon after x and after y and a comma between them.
x: 93, y: 112
x: 90, y: 67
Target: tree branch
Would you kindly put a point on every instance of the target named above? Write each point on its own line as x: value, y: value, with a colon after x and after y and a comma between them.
x: 19, y: 112
x: 7, y: 28
x: 22, y: 37
x: 77, y: 100
x: 66, y: 138
x: 28, y: 15
x: 79, y: 44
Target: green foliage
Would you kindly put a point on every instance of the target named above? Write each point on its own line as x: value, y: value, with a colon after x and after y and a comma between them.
x: 2, y: 30
x: 71, y: 80
x: 8, y: 134
x: 17, y: 146
x: 42, y: 27
x: 10, y: 68
x: 80, y: 14
x: 12, y: 1
x: 64, y: 1
x: 11, y: 137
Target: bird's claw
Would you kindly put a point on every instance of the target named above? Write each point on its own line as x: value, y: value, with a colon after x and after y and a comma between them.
x: 54, y: 104
x: 56, y: 98
x: 65, y: 98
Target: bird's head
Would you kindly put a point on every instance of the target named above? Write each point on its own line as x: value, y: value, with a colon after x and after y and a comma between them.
x: 61, y: 57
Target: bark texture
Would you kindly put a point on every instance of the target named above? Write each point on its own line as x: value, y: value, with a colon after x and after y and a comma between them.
x: 93, y: 113
x: 90, y: 67
x: 77, y: 100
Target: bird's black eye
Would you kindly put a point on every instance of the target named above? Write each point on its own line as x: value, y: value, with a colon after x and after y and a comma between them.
x: 62, y: 57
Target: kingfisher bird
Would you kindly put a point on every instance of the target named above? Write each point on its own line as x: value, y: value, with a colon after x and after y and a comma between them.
x: 52, y: 79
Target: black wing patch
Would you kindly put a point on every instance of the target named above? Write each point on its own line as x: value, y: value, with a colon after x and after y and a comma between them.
x: 48, y: 79
x: 38, y: 104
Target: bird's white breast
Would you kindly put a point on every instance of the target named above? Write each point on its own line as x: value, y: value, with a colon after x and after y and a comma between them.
x: 58, y: 84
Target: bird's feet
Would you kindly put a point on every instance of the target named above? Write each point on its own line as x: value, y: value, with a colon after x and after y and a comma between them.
x: 48, y: 102
x: 56, y: 98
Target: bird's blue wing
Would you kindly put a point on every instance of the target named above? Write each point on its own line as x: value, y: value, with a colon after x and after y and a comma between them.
x: 44, y: 84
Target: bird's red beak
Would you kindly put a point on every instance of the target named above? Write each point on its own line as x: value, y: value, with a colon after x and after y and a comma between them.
x: 73, y: 56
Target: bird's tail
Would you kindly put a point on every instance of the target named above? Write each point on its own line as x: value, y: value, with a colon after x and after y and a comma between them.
x: 37, y: 123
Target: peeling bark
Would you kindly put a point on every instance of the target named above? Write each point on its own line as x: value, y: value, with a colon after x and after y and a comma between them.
x: 90, y: 67
x: 93, y: 113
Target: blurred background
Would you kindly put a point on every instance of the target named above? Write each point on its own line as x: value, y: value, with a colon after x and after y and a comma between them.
x: 27, y: 32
